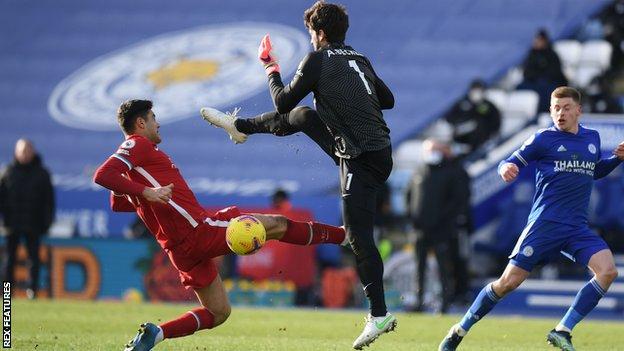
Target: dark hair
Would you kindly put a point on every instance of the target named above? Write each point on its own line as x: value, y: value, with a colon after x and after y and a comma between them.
x: 331, y: 18
x: 129, y: 111
x: 279, y: 195
x: 542, y: 33
x: 477, y: 83
x: 567, y: 92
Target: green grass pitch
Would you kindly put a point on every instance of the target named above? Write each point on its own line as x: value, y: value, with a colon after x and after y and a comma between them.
x: 71, y: 325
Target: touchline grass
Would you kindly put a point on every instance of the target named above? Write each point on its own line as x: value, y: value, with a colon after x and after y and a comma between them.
x: 79, y: 325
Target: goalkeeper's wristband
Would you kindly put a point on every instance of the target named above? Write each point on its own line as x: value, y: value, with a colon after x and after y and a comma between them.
x: 271, y: 67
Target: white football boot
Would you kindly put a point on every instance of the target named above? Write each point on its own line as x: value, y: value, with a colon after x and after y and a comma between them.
x: 373, y: 328
x: 225, y: 121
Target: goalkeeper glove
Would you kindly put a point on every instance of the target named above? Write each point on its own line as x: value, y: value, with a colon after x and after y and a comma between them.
x: 268, y: 59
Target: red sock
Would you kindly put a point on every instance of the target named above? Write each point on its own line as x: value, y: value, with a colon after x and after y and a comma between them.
x: 312, y: 233
x: 188, y: 323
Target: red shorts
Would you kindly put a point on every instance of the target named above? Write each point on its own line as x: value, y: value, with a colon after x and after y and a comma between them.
x: 193, y: 256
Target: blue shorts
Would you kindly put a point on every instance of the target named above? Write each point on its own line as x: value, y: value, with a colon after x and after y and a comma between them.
x: 543, y: 241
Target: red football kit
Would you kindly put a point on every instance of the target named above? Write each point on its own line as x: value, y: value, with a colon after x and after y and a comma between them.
x: 182, y: 227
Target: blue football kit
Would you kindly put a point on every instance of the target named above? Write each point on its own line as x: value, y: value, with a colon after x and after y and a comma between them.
x: 566, y: 166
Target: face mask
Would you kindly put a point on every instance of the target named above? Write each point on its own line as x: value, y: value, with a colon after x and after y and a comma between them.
x: 475, y: 95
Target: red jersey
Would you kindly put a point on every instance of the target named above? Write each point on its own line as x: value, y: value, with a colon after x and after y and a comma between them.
x: 145, y: 165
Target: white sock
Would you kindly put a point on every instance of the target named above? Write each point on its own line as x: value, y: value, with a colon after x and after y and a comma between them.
x: 561, y: 327
x: 159, y: 336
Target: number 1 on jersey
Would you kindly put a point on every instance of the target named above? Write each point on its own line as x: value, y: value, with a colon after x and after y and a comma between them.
x: 354, y: 65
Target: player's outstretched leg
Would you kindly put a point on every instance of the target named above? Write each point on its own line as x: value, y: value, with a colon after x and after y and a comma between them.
x: 489, y: 296
x: 281, y: 228
x: 603, y: 266
x: 145, y: 339
x: 373, y: 328
x: 485, y: 301
x: 225, y: 121
x: 215, y: 311
x: 300, y: 119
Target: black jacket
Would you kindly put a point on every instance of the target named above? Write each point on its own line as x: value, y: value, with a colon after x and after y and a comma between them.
x: 438, y: 195
x: 473, y: 123
x: 544, y: 64
x: 27, y: 198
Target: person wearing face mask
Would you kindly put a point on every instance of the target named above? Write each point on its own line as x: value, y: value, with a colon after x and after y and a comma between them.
x: 599, y: 98
x: 474, y: 119
x: 27, y: 206
x: 436, y: 198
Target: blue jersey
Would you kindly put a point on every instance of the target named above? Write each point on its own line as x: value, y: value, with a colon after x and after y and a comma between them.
x: 566, y: 166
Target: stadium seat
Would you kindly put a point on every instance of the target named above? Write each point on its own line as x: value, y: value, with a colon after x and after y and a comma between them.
x: 596, y: 53
x: 498, y: 97
x: 569, y: 52
x: 584, y: 75
x: 522, y: 103
x: 511, y: 79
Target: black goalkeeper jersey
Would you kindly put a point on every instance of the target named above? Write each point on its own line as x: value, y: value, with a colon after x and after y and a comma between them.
x: 348, y: 97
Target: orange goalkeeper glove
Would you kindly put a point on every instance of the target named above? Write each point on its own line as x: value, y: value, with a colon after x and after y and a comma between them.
x: 266, y: 56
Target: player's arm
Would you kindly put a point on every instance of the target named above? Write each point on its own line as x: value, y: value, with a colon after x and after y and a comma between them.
x: 109, y: 175
x: 606, y: 166
x: 509, y: 168
x: 384, y: 94
x: 285, y: 98
x: 121, y: 203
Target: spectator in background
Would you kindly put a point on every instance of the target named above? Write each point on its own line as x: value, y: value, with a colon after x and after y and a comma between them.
x: 27, y: 205
x: 599, y: 98
x: 474, y: 119
x: 542, y: 69
x: 281, y: 201
x: 612, y: 18
x: 436, y: 198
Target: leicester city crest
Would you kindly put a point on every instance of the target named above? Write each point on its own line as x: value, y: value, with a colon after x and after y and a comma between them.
x: 180, y: 71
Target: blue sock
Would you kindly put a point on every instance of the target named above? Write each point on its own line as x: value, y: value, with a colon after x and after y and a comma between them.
x: 585, y: 301
x: 485, y: 301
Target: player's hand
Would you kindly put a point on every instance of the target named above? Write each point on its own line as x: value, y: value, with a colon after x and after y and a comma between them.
x: 267, y: 57
x: 161, y: 194
x: 509, y: 171
x: 619, y: 151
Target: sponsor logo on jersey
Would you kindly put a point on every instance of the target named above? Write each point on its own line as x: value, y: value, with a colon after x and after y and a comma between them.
x: 562, y: 149
x: 591, y: 148
x: 180, y: 71
x: 575, y: 166
x: 527, y: 251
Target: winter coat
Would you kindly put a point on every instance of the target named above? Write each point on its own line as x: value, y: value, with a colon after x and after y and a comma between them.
x: 26, y: 198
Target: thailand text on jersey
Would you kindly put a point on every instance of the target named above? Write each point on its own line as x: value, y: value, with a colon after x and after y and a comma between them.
x: 348, y: 97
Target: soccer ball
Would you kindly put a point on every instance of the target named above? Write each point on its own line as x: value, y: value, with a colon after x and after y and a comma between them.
x: 245, y: 235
